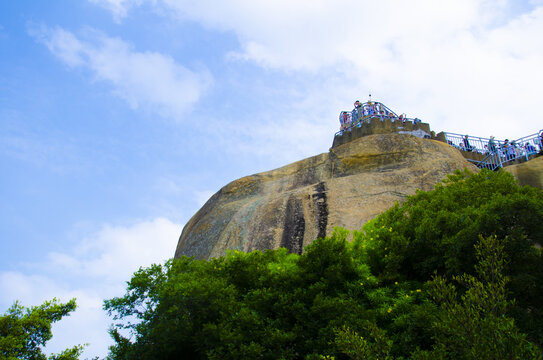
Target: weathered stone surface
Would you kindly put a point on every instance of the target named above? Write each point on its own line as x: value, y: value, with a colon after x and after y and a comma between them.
x: 293, y: 205
x: 528, y: 173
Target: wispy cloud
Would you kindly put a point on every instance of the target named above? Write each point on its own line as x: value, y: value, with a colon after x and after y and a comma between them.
x: 148, y: 80
x: 96, y: 268
x: 119, y: 8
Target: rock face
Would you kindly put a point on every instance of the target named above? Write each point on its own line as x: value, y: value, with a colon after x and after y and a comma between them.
x: 528, y: 173
x: 293, y: 205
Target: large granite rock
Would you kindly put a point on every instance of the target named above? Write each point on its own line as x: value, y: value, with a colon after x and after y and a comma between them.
x: 293, y: 205
x: 528, y: 173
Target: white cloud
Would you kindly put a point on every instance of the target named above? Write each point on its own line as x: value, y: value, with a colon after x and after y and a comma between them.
x: 116, y: 252
x: 150, y: 80
x: 31, y: 288
x: 312, y: 34
x: 95, y: 269
x: 465, y: 66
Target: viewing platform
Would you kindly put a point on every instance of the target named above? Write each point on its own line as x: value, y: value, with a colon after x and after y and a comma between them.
x: 372, y: 118
x: 490, y: 153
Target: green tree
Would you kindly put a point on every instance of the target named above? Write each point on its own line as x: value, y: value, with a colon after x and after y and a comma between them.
x: 469, y: 325
x: 436, y: 231
x: 474, y: 325
x: 357, y: 347
x: 23, y: 331
x: 268, y: 305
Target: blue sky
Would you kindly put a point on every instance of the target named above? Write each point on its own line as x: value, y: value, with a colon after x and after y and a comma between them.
x: 119, y: 118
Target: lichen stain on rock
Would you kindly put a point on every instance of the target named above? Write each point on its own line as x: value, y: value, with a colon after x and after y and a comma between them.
x: 203, y: 227
x: 241, y: 187
x: 371, y: 161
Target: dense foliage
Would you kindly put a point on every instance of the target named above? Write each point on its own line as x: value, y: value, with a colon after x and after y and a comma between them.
x: 387, y: 294
x: 436, y: 232
x: 23, y: 331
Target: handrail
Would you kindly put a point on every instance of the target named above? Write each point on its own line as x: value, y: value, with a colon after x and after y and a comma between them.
x: 366, y: 120
x: 367, y: 111
x: 491, y: 162
x: 498, y: 152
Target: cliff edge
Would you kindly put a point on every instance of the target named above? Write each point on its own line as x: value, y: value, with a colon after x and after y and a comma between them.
x: 293, y: 205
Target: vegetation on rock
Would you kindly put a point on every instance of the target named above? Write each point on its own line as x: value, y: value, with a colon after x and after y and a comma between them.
x: 387, y: 294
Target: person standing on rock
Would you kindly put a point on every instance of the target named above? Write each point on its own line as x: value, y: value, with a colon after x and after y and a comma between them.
x: 529, y: 148
x: 345, y: 120
x: 512, y: 151
x: 356, y: 111
x: 505, y: 148
x: 492, y: 145
x: 467, y: 146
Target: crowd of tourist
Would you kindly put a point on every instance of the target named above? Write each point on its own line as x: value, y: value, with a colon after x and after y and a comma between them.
x: 508, y: 150
x: 364, y: 111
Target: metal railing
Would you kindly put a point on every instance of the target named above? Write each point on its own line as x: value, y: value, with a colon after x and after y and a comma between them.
x: 365, y: 112
x: 366, y: 120
x: 498, y: 152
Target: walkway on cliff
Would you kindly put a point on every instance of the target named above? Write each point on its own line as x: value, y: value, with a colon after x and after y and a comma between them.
x: 493, y: 154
